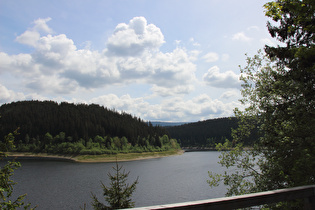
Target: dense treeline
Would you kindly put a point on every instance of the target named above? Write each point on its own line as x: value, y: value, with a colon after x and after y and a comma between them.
x: 47, y: 126
x: 205, y: 133
x: 61, y: 144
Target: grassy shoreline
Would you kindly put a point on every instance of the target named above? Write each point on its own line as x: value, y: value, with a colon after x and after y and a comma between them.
x: 96, y: 158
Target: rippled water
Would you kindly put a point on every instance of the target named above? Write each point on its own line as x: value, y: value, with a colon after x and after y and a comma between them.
x: 68, y: 185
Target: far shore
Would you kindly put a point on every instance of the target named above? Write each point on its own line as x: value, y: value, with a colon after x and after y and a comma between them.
x: 94, y: 158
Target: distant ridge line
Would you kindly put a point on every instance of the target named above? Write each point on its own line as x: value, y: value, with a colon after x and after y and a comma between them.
x: 167, y: 124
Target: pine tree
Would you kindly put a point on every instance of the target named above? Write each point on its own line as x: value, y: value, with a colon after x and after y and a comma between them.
x: 118, y: 194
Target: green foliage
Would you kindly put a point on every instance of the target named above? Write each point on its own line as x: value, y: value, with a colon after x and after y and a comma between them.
x: 118, y: 194
x: 279, y: 95
x: 64, y: 128
x: 295, y: 22
x: 6, y: 183
x: 95, y: 146
x: 242, y: 169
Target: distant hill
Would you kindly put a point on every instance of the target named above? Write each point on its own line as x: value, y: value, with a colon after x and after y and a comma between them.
x: 79, y: 129
x: 36, y: 118
x: 203, y: 133
x: 206, y: 133
x: 84, y: 122
x: 167, y: 124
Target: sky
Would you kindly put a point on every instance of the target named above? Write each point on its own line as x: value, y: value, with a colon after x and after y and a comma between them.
x: 165, y: 60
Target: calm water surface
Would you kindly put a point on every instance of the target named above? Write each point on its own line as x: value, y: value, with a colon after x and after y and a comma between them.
x: 68, y: 185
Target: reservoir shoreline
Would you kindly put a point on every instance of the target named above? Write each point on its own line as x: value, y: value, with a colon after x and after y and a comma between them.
x: 120, y: 157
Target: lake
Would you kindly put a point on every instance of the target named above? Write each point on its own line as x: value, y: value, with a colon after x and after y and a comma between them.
x: 68, y: 185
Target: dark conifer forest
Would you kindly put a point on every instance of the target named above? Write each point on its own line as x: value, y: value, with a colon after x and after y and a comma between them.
x: 47, y: 126
x: 207, y: 133
x: 67, y: 128
x: 203, y: 133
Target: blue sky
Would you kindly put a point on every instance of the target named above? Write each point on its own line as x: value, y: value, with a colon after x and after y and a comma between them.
x: 166, y: 60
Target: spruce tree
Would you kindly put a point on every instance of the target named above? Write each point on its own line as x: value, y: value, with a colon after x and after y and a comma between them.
x: 118, y: 194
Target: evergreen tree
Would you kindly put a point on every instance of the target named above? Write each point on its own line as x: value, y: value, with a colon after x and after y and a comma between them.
x: 196, y: 134
x: 36, y: 118
x: 279, y: 95
x: 118, y: 194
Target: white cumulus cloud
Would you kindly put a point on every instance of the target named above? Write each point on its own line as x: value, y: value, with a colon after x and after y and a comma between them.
x: 134, y: 38
x: 132, y: 55
x: 8, y: 95
x: 219, y: 79
x: 241, y: 37
x: 41, y: 25
x: 211, y: 57
x: 176, y: 109
x: 32, y: 35
x: 230, y: 94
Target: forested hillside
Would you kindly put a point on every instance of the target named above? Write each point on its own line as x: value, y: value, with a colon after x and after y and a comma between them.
x: 205, y: 133
x: 44, y: 126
